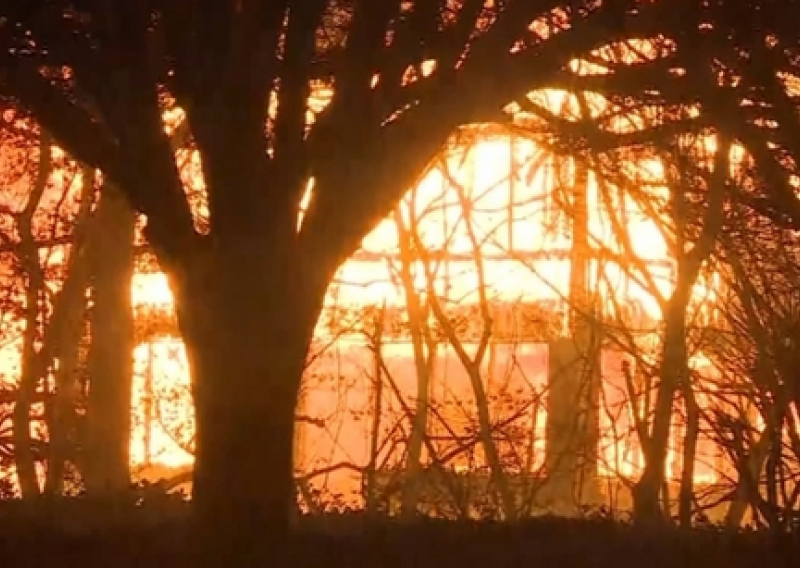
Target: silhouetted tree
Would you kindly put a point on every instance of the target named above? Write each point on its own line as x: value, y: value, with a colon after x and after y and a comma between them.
x: 98, y: 75
x: 108, y: 433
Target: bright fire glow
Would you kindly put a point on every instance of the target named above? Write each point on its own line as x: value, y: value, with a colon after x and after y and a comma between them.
x: 517, y: 201
x: 525, y: 249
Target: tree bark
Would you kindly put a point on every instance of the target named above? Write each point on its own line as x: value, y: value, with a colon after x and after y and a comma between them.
x: 674, y: 371
x: 61, y: 426
x: 107, y: 469
x: 247, y: 321
x: 686, y: 494
x: 30, y: 375
x: 424, y: 349
x: 647, y: 508
x: 24, y: 457
x: 32, y: 363
x: 584, y: 330
x: 65, y: 331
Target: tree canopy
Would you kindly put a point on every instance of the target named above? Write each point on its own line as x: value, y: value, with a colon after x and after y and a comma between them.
x: 98, y: 76
x: 402, y: 76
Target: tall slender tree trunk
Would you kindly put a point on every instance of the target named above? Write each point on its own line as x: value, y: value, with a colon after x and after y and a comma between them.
x: 646, y: 503
x: 584, y: 332
x: 61, y: 426
x: 107, y: 472
x: 64, y: 333
x: 686, y: 494
x: 674, y: 371
x: 371, y: 499
x: 424, y: 359
x: 24, y: 456
x: 751, y: 465
x: 32, y: 361
x: 573, y: 377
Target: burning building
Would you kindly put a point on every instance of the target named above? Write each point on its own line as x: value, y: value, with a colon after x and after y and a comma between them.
x: 494, y: 342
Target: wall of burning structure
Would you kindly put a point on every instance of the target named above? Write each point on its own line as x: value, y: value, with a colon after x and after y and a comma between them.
x: 492, y: 216
x: 482, y: 249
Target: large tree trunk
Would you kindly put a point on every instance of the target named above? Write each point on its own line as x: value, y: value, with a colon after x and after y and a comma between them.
x: 107, y: 465
x: 247, y: 329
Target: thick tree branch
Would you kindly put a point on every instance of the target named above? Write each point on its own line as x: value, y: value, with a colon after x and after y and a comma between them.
x: 457, y: 34
x: 339, y: 215
x: 365, y: 44
x: 145, y: 169
x: 579, y: 135
x: 227, y: 112
x: 290, y: 160
x: 73, y: 127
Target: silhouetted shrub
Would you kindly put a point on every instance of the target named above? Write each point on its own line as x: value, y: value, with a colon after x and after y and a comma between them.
x: 151, y: 531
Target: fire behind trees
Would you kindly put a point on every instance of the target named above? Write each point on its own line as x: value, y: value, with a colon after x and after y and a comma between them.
x: 249, y: 292
x: 364, y: 367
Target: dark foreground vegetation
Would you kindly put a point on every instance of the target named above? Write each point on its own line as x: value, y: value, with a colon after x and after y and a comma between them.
x: 76, y: 534
x: 165, y: 109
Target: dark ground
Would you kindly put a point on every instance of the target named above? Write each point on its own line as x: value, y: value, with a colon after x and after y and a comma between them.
x: 349, y: 542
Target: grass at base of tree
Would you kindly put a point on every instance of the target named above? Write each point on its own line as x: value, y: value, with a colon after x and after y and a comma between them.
x: 353, y: 541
